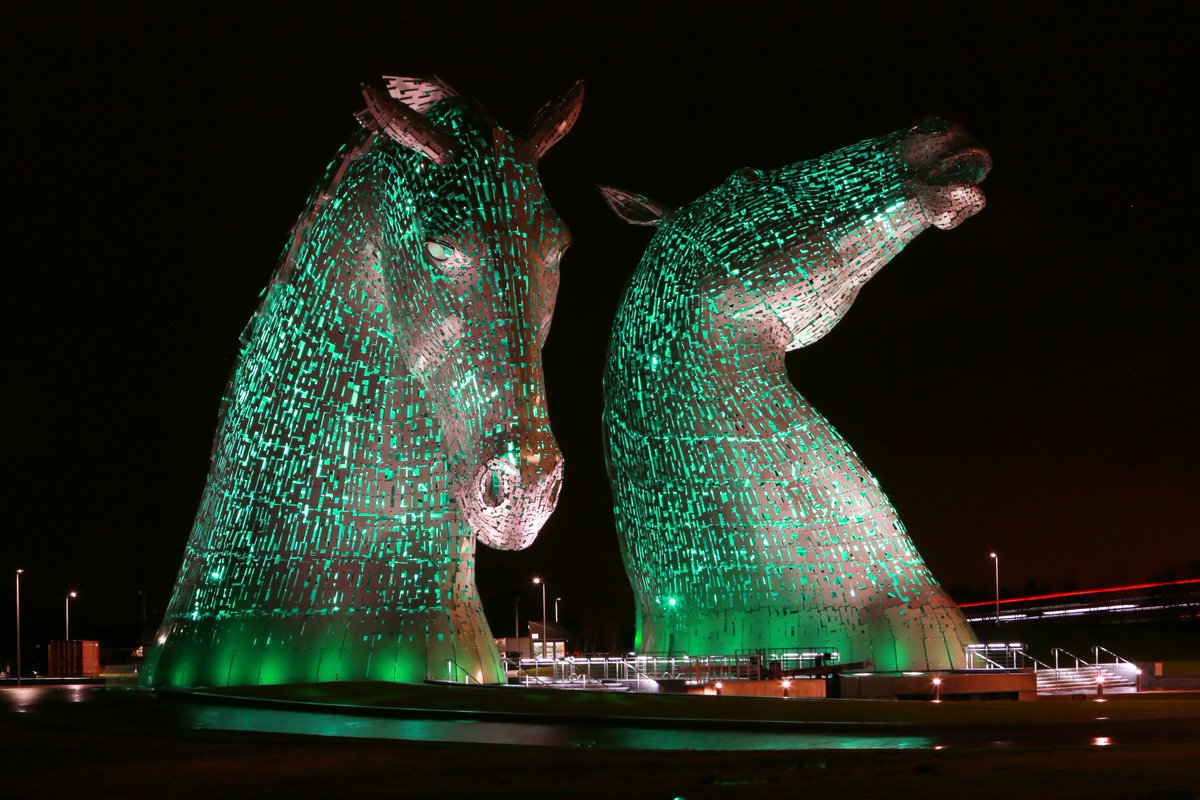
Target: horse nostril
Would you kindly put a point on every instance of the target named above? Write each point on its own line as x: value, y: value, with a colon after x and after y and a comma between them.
x: 491, y: 490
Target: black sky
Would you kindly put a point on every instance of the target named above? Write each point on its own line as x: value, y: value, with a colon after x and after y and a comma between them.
x: 1025, y: 383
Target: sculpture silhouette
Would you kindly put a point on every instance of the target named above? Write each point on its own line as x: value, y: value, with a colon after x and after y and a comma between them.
x: 386, y: 409
x: 747, y: 523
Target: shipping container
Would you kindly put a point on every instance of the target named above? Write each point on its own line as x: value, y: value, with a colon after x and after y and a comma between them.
x: 78, y: 658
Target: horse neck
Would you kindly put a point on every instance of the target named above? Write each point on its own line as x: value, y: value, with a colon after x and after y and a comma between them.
x: 318, y: 200
x: 729, y: 374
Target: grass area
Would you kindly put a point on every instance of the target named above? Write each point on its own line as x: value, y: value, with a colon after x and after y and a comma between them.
x: 727, y: 709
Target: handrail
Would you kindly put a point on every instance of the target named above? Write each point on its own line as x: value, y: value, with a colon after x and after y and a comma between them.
x: 1013, y: 653
x: 977, y: 654
x: 461, y: 669
x: 526, y: 675
x: 1078, y: 660
x: 1097, y: 648
x: 637, y: 671
x: 1036, y: 663
x: 585, y: 678
x: 638, y: 667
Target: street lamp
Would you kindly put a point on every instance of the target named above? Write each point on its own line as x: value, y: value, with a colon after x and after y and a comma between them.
x: 542, y: 583
x: 19, y: 626
x: 996, y: 559
x: 68, y: 604
x: 937, y: 690
x: 556, y: 609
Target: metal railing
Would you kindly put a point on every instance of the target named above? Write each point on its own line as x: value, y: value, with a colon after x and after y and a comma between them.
x: 1083, y: 676
x: 452, y: 665
x: 1004, y: 655
x: 1077, y: 675
x: 1080, y: 663
x: 522, y: 673
x: 610, y: 668
x: 1096, y: 650
x: 1036, y: 662
x: 634, y: 670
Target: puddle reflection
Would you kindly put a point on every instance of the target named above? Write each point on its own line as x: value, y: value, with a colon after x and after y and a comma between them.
x: 22, y: 699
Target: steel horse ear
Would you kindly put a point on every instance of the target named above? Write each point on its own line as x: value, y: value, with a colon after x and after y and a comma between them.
x: 748, y: 524
x: 387, y: 407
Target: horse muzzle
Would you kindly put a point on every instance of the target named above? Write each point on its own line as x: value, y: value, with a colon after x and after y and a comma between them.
x: 514, y: 490
x: 950, y: 165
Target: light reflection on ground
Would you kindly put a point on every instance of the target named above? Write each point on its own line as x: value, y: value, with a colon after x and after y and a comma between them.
x: 481, y: 732
x: 21, y: 699
x: 111, y: 708
x: 106, y: 706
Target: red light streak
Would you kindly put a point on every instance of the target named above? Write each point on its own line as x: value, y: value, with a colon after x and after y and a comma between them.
x: 1079, y: 592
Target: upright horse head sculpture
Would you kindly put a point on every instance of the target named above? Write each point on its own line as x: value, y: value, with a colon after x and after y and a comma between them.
x: 388, y: 407
x: 746, y: 521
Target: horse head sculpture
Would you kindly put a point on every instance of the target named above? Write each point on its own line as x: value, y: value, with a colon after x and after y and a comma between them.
x: 388, y: 407
x: 474, y: 294
x: 747, y: 522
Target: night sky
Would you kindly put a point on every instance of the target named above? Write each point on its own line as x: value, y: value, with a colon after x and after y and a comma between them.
x: 1023, y: 384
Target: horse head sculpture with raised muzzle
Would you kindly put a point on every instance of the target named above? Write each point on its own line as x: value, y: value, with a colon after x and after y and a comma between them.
x: 748, y: 524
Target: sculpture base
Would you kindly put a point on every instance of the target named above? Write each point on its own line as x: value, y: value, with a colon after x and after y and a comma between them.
x: 894, y: 639
x: 318, y: 648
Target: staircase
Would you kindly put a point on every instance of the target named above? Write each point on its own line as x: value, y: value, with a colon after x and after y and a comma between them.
x: 1118, y: 677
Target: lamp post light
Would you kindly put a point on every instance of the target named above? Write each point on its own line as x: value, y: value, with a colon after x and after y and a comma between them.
x: 19, y: 626
x: 787, y: 686
x: 68, y: 606
x: 556, y: 609
x: 996, y: 559
x: 542, y: 583
x: 937, y: 690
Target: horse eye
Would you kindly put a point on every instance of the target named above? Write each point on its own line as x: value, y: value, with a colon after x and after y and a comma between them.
x: 438, y: 251
x: 748, y: 175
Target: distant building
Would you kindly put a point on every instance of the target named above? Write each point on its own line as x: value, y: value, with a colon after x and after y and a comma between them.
x: 515, y: 647
x: 550, y: 642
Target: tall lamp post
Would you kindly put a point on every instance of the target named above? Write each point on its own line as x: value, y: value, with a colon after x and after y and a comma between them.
x: 996, y: 559
x: 556, y: 609
x: 542, y: 583
x: 19, y: 626
x: 68, y: 605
